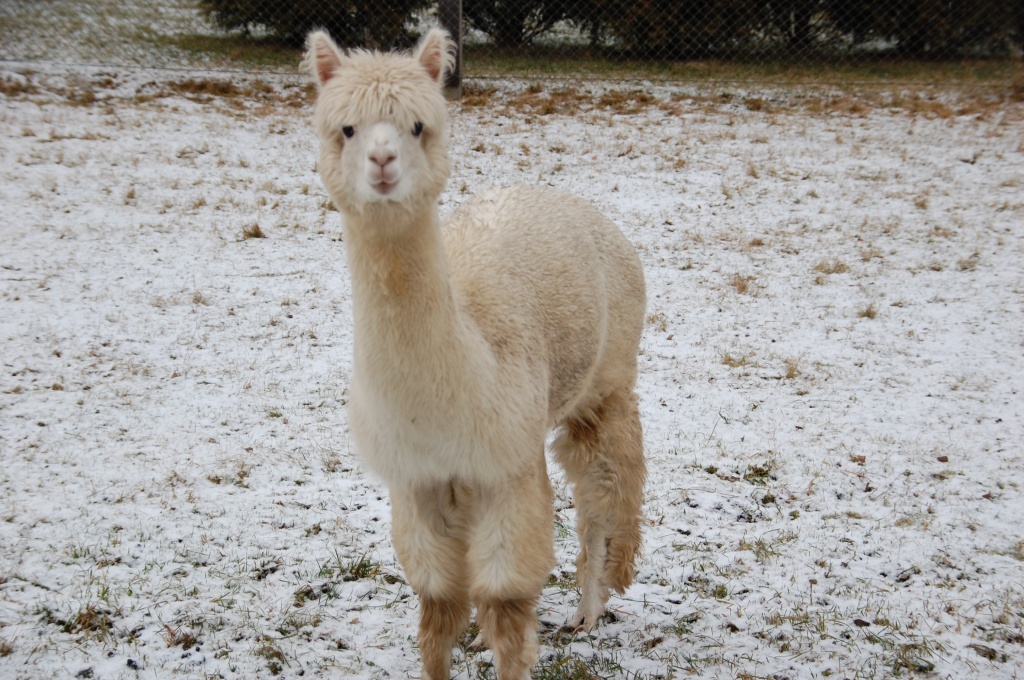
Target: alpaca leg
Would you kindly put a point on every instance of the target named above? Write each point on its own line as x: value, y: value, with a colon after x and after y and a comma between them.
x: 429, y: 530
x: 441, y: 622
x: 511, y: 555
x: 593, y: 587
x: 511, y: 626
x: 601, y: 450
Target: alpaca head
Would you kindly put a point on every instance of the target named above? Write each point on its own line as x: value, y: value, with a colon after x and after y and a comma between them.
x: 381, y: 120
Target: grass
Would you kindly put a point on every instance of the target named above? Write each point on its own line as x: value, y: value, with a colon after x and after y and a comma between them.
x: 176, y: 637
x: 869, y: 312
x: 176, y: 34
x: 832, y: 267
x: 255, y: 96
x: 564, y: 666
x: 744, y: 285
x: 273, y: 655
x: 252, y: 231
x: 483, y: 61
x: 230, y: 50
x: 751, y: 479
x: 90, y: 621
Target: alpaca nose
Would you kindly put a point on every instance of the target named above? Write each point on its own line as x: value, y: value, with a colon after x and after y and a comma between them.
x: 382, y: 156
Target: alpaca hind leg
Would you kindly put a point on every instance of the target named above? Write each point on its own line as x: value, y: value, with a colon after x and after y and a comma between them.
x: 601, y: 450
x: 593, y: 587
x: 429, y: 530
x: 511, y: 555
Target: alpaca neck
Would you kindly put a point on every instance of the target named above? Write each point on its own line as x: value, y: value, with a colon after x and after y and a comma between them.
x: 406, y: 322
x: 397, y: 259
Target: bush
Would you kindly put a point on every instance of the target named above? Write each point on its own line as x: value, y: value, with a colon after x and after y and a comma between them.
x: 679, y: 29
x: 514, y: 23
x: 353, y: 23
x: 694, y: 29
x: 932, y: 28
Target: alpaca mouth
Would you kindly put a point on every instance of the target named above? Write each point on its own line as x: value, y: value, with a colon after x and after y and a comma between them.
x: 384, y: 188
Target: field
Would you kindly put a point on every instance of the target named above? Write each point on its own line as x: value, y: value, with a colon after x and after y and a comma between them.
x: 831, y: 381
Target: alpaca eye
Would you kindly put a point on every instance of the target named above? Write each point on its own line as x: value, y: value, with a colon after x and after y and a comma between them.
x: 417, y: 129
x: 348, y: 131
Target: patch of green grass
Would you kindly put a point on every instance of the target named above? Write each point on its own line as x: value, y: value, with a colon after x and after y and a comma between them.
x: 233, y: 50
x: 359, y: 569
x: 683, y: 626
x: 564, y: 666
x: 484, y: 61
x: 355, y: 569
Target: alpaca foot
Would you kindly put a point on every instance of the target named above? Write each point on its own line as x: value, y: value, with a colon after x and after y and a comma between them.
x: 584, y: 620
x: 593, y: 593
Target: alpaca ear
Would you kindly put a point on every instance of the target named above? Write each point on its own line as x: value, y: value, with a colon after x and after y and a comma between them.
x: 436, y: 53
x: 322, y: 57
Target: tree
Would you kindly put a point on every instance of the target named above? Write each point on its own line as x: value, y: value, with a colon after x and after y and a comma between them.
x: 514, y: 23
x: 791, y: 21
x: 930, y: 28
x: 352, y: 23
x: 680, y: 29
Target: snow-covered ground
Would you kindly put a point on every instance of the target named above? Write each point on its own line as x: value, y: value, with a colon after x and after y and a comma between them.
x: 832, y: 384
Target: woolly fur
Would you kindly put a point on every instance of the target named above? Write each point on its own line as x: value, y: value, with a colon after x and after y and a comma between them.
x: 473, y: 339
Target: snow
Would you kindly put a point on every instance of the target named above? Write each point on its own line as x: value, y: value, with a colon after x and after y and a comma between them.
x: 830, y: 379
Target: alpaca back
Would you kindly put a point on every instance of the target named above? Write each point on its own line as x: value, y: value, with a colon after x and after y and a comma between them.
x: 544, y: 274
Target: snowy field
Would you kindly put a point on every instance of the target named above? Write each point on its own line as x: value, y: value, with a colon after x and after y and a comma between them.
x: 832, y: 383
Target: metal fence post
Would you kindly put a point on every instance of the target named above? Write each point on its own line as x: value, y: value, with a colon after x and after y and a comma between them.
x: 449, y: 13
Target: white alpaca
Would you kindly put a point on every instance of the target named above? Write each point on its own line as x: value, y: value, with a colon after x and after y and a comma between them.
x: 523, y: 312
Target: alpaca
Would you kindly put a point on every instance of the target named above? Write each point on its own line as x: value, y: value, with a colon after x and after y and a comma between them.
x: 473, y: 339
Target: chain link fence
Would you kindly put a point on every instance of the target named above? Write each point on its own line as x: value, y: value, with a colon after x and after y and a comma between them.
x: 511, y: 37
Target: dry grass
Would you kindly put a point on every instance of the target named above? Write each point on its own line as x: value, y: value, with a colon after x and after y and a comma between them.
x: 869, y: 312
x: 658, y: 321
x: 475, y: 95
x: 204, y: 90
x: 252, y: 231
x: 831, y: 267
x: 1016, y: 93
x: 175, y: 637
x: 736, y: 361
x: 91, y: 621
x: 11, y: 86
x: 969, y: 264
x: 920, y: 101
x: 536, y: 99
x: 744, y: 285
x: 547, y: 98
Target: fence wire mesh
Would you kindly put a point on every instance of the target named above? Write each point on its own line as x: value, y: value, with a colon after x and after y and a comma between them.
x: 512, y: 37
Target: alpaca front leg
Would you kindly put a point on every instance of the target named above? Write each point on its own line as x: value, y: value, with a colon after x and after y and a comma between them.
x: 511, y: 555
x: 511, y: 629
x: 429, y: 529
x: 441, y: 621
